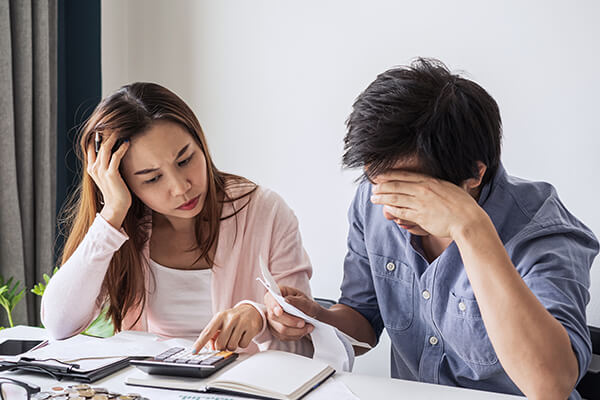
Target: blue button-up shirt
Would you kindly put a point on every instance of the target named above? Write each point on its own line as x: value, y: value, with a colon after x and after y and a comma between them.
x: 430, y: 311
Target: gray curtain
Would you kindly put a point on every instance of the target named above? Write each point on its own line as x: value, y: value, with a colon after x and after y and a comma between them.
x: 28, y: 31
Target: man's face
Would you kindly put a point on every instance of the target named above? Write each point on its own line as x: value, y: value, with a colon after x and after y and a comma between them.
x: 410, y: 165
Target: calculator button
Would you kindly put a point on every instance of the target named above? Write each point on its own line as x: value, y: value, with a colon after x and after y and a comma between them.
x: 181, y: 361
x: 195, y: 362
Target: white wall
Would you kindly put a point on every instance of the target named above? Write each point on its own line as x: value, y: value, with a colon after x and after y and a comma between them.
x: 273, y: 81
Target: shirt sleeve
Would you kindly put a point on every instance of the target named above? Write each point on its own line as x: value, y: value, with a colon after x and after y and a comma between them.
x: 358, y: 290
x: 79, y: 281
x: 555, y: 264
x: 290, y: 266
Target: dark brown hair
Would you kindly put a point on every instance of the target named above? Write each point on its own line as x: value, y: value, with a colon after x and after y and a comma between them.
x: 130, y: 111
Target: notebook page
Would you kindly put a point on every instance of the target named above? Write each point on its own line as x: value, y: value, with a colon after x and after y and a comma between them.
x: 274, y: 371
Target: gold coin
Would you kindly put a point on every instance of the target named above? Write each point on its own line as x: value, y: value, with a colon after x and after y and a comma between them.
x: 100, y: 397
x: 86, y: 393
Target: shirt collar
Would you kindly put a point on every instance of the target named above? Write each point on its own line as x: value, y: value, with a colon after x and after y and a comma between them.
x: 489, y: 187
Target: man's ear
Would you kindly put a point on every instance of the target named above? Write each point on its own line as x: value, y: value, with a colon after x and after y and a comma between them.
x: 473, y: 183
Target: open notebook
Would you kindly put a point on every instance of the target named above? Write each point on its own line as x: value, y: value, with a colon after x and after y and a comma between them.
x: 270, y: 374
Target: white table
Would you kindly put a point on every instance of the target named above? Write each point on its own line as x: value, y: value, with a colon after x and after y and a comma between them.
x: 364, y: 387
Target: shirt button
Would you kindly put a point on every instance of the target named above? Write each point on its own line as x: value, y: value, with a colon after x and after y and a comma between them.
x: 433, y: 340
x: 462, y: 306
x: 390, y: 266
x: 426, y: 294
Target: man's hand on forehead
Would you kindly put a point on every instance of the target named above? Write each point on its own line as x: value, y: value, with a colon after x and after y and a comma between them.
x: 437, y: 206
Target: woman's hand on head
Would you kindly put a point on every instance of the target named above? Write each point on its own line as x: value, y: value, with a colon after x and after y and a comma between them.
x: 231, y: 329
x: 285, y: 326
x: 104, y: 170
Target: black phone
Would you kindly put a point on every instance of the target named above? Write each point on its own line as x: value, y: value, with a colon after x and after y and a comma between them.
x: 13, y: 347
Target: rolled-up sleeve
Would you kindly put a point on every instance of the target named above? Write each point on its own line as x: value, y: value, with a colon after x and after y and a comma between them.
x: 358, y: 290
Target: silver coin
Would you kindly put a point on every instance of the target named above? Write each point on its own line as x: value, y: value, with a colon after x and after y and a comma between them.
x: 81, y: 386
x: 42, y: 395
x: 100, y: 390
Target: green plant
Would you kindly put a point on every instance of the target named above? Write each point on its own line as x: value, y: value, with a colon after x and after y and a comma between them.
x: 10, y: 296
x: 39, y: 288
x: 102, y: 326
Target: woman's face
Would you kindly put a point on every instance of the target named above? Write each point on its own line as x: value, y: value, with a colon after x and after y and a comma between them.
x: 166, y: 169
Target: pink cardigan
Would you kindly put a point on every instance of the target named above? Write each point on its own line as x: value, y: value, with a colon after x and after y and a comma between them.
x: 266, y: 227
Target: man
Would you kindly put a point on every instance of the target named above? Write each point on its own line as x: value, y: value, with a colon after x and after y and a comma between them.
x: 481, y: 279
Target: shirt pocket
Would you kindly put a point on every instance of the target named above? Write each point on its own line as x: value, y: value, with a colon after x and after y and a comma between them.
x: 393, y: 281
x: 465, y: 333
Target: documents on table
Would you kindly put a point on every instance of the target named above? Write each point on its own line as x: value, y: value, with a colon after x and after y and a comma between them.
x: 91, y: 352
x: 331, y: 345
x: 269, y: 374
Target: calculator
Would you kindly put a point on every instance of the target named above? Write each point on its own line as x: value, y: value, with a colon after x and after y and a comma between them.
x: 179, y: 361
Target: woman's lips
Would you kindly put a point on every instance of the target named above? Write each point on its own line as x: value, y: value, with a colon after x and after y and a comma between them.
x: 190, y: 204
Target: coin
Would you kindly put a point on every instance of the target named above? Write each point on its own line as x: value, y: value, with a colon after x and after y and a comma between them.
x: 81, y: 386
x: 86, y: 393
x: 42, y: 395
x: 100, y: 397
x: 57, y: 388
x: 100, y: 390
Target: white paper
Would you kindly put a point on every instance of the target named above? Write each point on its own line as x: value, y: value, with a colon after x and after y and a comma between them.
x: 269, y: 280
x: 332, y: 389
x: 90, y: 352
x: 331, y: 345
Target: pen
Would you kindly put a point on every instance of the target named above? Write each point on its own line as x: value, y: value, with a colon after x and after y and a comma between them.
x: 97, y: 140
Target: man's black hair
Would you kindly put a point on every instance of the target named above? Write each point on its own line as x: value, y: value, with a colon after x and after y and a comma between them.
x: 423, y: 111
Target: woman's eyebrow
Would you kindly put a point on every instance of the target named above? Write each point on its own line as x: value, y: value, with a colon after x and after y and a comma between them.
x: 150, y: 170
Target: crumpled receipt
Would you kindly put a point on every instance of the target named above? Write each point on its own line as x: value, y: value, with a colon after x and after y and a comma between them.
x: 331, y: 345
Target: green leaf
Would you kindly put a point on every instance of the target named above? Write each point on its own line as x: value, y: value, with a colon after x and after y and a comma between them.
x: 102, y: 326
x: 18, y: 297
x: 40, y: 287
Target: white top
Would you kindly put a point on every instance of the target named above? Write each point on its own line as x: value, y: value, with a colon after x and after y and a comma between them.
x: 180, y: 301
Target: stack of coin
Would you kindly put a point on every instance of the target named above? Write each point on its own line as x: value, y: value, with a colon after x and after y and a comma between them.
x: 84, y: 392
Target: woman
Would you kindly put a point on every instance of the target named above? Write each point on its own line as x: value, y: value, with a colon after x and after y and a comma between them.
x: 163, y: 238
